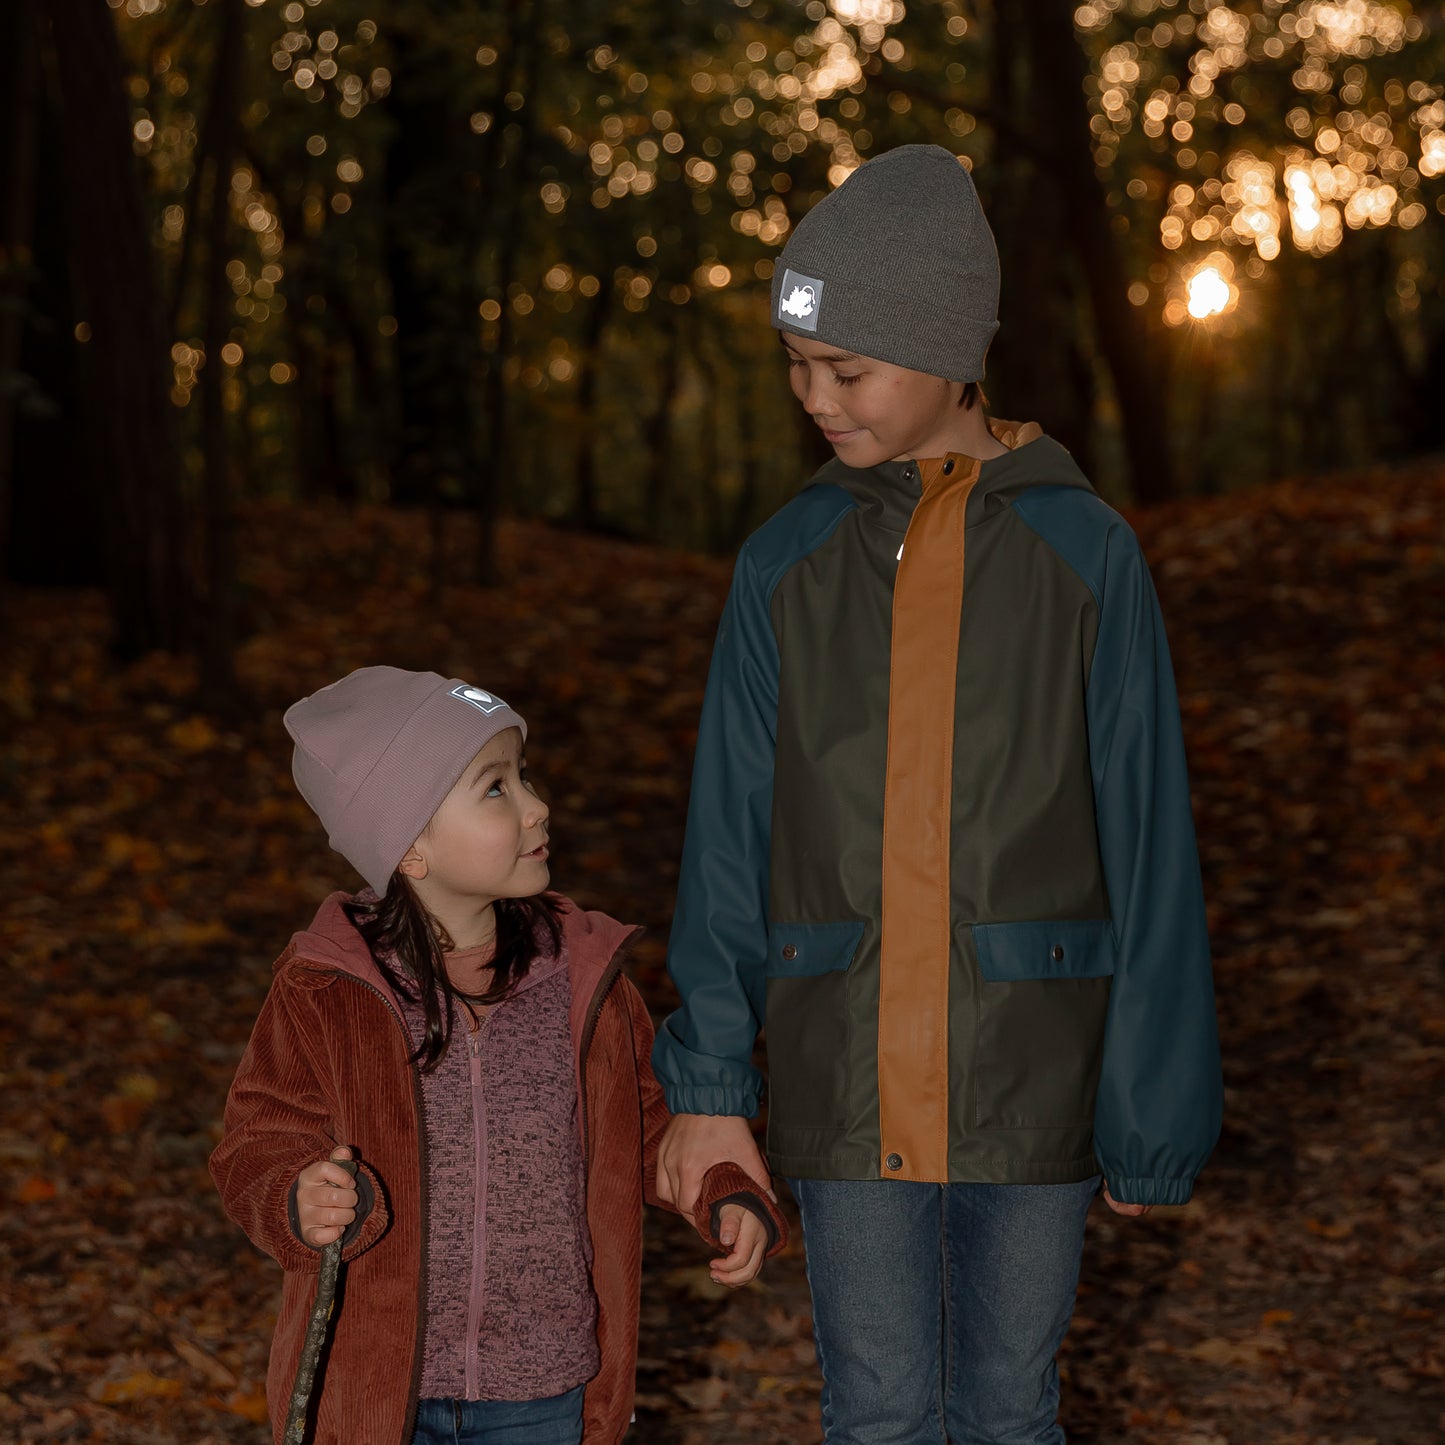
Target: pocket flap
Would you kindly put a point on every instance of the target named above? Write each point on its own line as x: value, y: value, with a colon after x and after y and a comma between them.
x: 1057, y: 948
x: 801, y: 950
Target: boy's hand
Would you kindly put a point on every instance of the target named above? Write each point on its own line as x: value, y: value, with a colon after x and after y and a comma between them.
x: 691, y: 1146
x: 745, y: 1237
x: 325, y: 1199
x: 1129, y: 1211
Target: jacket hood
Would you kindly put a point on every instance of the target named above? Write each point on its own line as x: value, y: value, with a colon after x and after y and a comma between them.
x: 891, y: 490
x: 590, y: 940
x: 332, y: 941
x: 1041, y: 462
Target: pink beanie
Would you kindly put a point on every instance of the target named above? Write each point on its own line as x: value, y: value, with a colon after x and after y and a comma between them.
x: 378, y: 751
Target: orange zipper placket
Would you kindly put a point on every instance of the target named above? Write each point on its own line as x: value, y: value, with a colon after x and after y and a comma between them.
x: 917, y: 818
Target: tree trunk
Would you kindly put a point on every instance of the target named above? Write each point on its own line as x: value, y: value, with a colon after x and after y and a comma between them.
x: 433, y: 219
x: 585, y: 511
x: 333, y: 458
x: 55, y: 532
x: 658, y: 437
x: 218, y: 151
x: 712, y: 520
x: 1059, y: 67
x: 325, y: 455
x: 746, y: 501
x: 136, y: 472
x: 20, y: 87
x: 525, y: 22
x: 372, y: 393
x: 1037, y: 370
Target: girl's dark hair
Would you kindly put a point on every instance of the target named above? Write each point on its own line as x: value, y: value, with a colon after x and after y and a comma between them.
x: 408, y: 945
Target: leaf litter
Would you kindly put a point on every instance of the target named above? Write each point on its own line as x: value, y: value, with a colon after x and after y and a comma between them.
x: 158, y: 859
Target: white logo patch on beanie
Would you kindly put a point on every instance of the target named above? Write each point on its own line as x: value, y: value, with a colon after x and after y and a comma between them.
x: 482, y: 701
x: 799, y: 298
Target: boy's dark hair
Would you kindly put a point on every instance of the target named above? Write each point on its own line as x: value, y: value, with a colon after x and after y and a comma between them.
x: 408, y: 943
x: 972, y: 396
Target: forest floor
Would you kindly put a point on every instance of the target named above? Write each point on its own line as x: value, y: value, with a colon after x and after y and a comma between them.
x: 156, y: 860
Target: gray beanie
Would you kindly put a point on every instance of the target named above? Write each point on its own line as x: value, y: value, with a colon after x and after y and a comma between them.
x: 899, y: 264
x: 378, y: 751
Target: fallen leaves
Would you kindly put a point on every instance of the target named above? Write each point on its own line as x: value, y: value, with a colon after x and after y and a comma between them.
x: 142, y: 1385
x: 35, y: 1190
x: 160, y: 860
x: 193, y: 735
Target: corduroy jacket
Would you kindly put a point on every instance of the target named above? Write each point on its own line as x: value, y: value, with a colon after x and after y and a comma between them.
x: 940, y: 843
x: 328, y: 1064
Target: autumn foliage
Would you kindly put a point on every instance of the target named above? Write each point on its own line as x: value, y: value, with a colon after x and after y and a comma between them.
x: 156, y: 861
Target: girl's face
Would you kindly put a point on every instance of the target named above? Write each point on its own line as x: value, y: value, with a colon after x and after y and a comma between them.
x: 872, y: 411
x: 488, y: 840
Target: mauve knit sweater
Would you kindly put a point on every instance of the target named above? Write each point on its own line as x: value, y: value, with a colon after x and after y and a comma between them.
x: 510, y: 1310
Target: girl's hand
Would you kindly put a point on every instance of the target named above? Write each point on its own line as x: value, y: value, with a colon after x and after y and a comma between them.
x: 1129, y: 1211
x: 325, y: 1199
x: 745, y: 1237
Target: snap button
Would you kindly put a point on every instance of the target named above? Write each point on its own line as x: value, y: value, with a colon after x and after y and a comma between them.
x: 1057, y: 953
x: 948, y: 467
x: 894, y: 1162
x: 907, y: 474
x: 790, y: 952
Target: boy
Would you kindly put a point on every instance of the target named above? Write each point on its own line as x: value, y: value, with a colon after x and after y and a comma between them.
x: 940, y: 842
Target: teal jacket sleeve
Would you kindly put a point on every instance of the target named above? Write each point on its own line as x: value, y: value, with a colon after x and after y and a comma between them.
x: 718, y: 947
x: 1158, y: 1111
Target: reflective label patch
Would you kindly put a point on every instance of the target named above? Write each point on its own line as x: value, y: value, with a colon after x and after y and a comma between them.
x: 799, y: 299
x: 483, y: 701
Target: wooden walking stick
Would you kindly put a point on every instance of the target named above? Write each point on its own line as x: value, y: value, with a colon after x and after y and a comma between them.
x: 321, y: 1312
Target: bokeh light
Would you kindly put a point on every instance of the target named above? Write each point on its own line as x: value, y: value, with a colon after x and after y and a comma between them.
x: 1209, y: 294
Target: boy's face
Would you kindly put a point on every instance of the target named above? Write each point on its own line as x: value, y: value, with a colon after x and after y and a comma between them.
x: 872, y: 411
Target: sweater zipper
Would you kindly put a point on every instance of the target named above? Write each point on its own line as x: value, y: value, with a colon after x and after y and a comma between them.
x: 477, y: 1300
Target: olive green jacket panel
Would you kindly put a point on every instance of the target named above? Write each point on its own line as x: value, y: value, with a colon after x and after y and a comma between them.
x: 1081, y: 1029
x: 1021, y: 793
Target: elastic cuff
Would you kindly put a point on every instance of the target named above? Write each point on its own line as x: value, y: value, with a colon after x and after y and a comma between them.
x: 753, y: 1205
x: 1149, y: 1191
x: 729, y: 1183
x: 713, y: 1099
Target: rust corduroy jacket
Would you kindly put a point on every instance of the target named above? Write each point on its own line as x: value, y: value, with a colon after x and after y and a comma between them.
x: 328, y: 1064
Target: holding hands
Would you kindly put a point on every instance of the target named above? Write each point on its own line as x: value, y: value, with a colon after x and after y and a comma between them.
x: 692, y: 1145
x: 325, y: 1199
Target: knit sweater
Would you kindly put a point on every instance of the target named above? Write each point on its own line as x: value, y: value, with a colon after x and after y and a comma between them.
x: 510, y: 1310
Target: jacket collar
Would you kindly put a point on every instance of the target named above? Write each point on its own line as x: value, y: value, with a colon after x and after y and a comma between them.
x: 590, y: 942
x: 888, y: 493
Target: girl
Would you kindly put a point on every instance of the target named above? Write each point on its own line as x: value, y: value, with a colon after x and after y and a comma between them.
x: 469, y: 1040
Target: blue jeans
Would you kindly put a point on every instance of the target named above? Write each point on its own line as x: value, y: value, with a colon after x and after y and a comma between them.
x: 554, y: 1421
x: 938, y: 1309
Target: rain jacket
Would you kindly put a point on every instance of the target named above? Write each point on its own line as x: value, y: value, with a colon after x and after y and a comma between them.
x: 939, y: 843
x: 328, y: 1064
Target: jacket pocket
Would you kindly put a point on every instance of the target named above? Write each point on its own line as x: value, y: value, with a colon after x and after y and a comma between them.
x: 1062, y: 948
x: 809, y: 1024
x: 1043, y: 1004
x: 805, y: 950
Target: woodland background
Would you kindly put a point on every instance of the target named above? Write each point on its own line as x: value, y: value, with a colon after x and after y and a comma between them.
x: 436, y: 334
